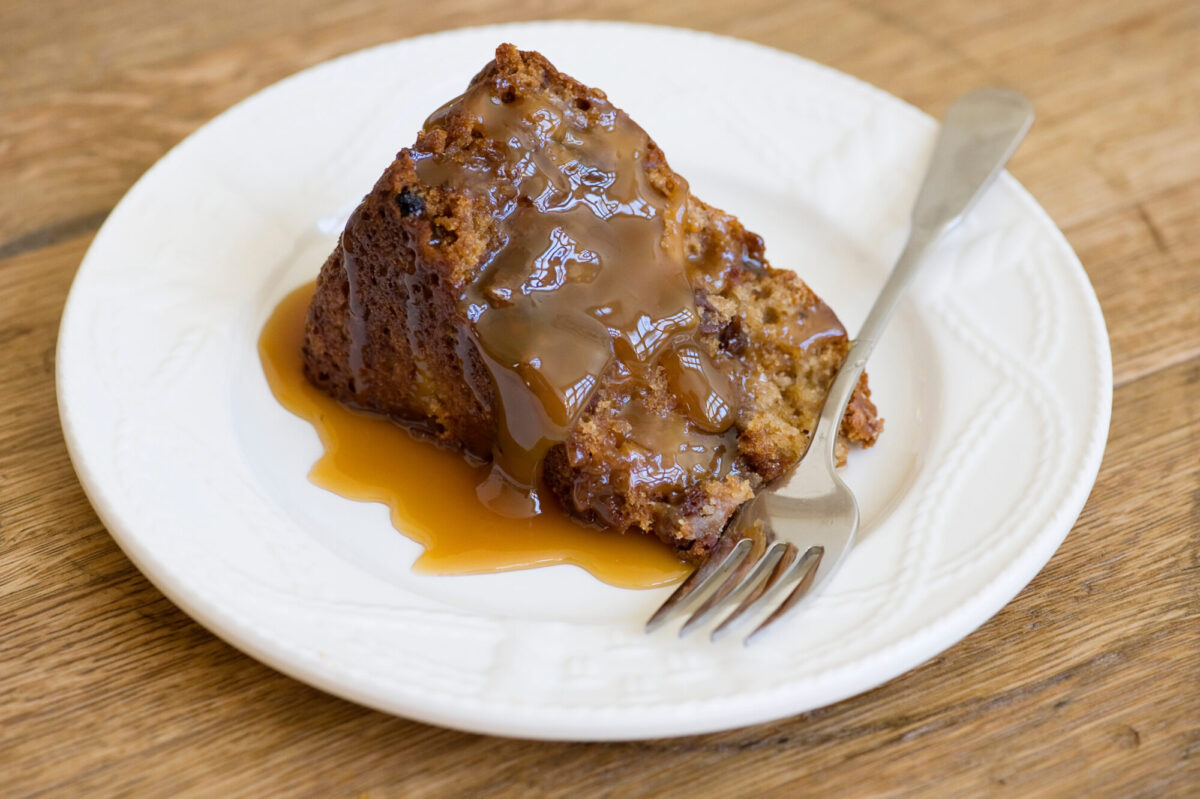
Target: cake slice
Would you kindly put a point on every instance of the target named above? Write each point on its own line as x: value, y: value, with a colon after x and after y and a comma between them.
x: 531, y: 284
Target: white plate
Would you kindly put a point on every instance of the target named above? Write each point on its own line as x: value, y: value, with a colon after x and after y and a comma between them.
x: 995, y: 381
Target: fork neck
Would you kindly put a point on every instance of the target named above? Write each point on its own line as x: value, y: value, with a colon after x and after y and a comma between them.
x: 826, y: 435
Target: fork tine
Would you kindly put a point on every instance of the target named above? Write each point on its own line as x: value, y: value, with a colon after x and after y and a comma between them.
x: 798, y: 593
x: 805, y: 568
x: 708, y: 573
x: 758, y: 537
x: 781, y: 571
x: 735, y: 584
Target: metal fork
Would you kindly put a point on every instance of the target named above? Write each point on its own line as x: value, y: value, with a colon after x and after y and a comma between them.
x: 797, y: 540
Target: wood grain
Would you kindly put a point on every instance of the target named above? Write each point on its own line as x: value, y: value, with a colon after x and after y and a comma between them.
x: 1088, y: 683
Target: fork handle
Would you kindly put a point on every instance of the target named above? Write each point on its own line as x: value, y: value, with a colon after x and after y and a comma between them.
x: 979, y: 134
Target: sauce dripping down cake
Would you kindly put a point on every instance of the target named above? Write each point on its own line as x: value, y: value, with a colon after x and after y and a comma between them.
x: 532, y: 285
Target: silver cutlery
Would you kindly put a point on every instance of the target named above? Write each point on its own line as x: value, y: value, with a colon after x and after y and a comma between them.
x: 792, y: 537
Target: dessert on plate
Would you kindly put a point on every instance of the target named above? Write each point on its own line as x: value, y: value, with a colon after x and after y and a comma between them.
x: 531, y: 284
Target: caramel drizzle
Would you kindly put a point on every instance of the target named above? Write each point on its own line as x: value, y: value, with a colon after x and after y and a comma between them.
x: 587, y: 281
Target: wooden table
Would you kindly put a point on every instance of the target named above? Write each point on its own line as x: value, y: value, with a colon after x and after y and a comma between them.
x: 1088, y: 683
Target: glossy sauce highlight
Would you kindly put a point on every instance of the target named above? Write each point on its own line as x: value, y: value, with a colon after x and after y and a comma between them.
x: 588, y: 282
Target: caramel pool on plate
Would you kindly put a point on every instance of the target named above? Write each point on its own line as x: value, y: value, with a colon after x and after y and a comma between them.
x: 431, y: 491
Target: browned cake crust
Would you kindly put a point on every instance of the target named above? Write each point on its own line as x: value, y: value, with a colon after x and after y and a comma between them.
x: 402, y: 345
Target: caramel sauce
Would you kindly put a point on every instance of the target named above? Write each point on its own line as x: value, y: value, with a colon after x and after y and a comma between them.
x: 587, y: 283
x: 432, y: 492
x: 816, y: 322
